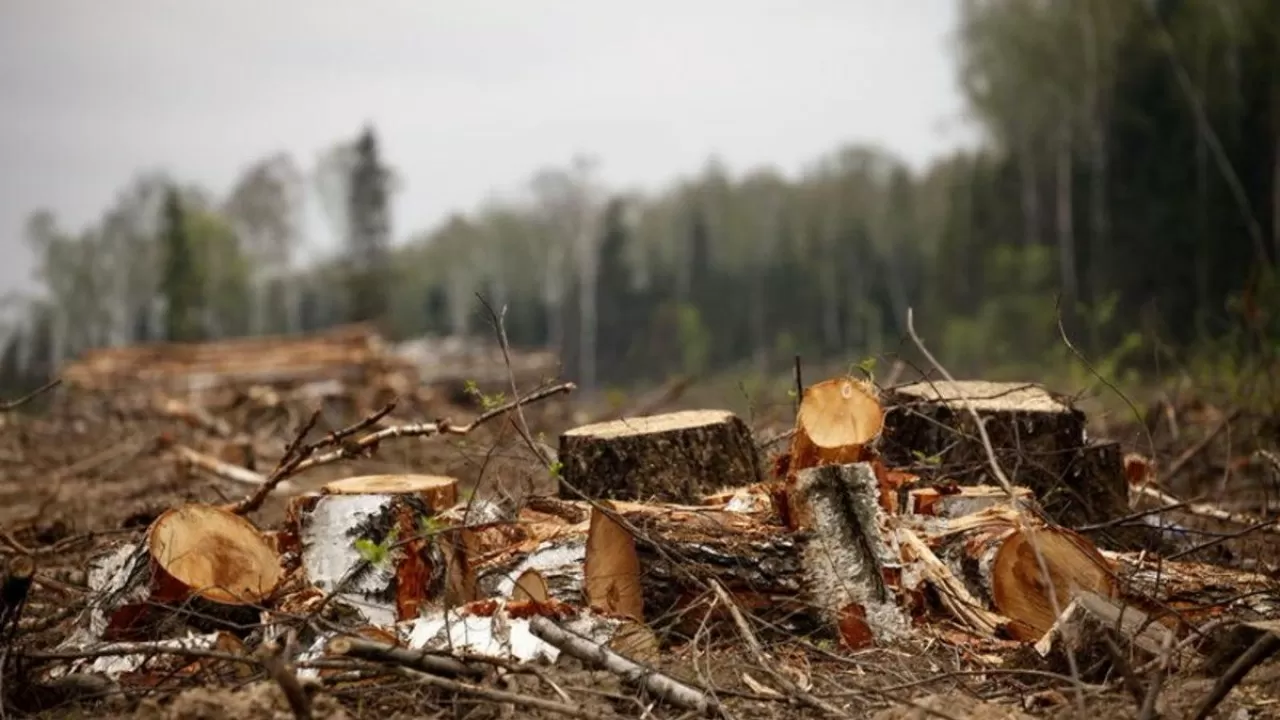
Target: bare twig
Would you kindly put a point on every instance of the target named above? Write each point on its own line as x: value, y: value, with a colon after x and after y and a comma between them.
x: 521, y: 425
x: 501, y: 696
x: 1263, y: 648
x: 1187, y: 456
x: 15, y: 404
x: 225, y: 470
x: 346, y: 449
x: 758, y: 653
x: 271, y: 655
x: 799, y: 387
x: 421, y: 661
x: 1004, y: 482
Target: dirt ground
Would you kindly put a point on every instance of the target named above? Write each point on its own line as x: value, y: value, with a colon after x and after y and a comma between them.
x: 83, y: 473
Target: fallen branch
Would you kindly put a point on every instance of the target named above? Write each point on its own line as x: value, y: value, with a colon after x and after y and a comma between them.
x: 1182, y: 460
x: 225, y: 470
x: 422, y: 661
x: 662, y: 686
x: 15, y: 404
x: 271, y: 655
x: 500, y: 696
x: 757, y: 652
x: 1263, y: 648
x: 368, y: 443
x: 1204, y: 510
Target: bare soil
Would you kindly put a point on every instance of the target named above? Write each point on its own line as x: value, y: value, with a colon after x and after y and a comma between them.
x: 79, y: 474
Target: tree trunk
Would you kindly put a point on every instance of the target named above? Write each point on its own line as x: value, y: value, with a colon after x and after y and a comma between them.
x: 1030, y: 194
x: 587, y: 293
x: 1066, y: 228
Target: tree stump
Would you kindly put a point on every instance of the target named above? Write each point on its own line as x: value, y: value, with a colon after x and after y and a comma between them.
x: 206, y: 566
x: 838, y: 418
x: 677, y: 457
x: 370, y: 540
x: 851, y: 565
x: 1035, y: 434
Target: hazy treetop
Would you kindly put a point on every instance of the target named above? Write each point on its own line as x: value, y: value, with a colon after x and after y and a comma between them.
x: 469, y: 97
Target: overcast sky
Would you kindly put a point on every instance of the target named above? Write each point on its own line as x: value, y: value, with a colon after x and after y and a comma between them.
x: 470, y: 97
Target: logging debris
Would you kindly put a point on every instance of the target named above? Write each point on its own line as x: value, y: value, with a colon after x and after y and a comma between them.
x: 877, y: 530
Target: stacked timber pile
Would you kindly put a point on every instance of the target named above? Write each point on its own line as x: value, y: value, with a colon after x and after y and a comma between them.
x: 348, y: 352
x: 666, y: 528
x: 452, y: 362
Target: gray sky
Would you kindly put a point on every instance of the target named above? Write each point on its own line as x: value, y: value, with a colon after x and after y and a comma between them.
x: 469, y: 97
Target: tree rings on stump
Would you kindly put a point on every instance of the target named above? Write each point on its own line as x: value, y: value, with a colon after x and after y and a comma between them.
x: 206, y: 552
x: 676, y: 457
x: 368, y: 538
x: 837, y: 419
x: 213, y: 566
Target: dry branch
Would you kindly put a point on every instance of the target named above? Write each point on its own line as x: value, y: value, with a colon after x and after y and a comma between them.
x: 224, y: 470
x: 653, y: 682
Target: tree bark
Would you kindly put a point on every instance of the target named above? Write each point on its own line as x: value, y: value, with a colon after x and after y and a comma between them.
x: 677, y: 457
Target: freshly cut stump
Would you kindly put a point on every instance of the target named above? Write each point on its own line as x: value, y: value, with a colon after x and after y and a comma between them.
x: 1030, y: 428
x: 993, y: 552
x: 369, y: 539
x: 677, y: 457
x: 838, y: 420
x: 211, y: 566
x: 852, y: 569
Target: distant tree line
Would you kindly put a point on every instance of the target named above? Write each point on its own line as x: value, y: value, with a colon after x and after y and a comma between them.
x: 1129, y: 182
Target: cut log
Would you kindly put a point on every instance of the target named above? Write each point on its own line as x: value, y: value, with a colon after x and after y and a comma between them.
x: 210, y: 567
x: 1185, y: 594
x: 557, y: 563
x: 370, y: 540
x: 1090, y: 618
x: 677, y: 457
x: 998, y: 553
x: 929, y: 430
x: 681, y: 549
x: 952, y: 501
x: 851, y: 568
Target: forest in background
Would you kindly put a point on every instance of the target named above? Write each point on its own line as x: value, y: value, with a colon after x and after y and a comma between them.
x: 1130, y: 175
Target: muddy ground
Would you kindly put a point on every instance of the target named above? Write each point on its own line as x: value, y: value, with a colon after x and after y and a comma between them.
x: 80, y: 472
